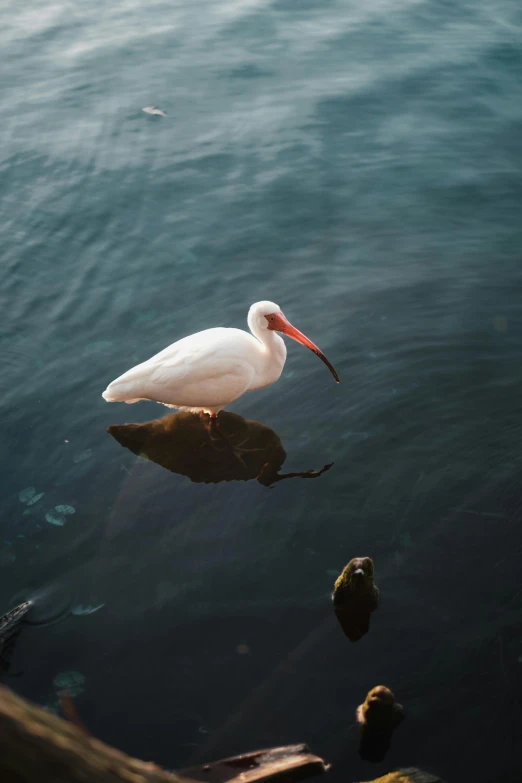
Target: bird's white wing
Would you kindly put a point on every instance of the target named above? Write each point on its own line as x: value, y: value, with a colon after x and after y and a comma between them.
x: 209, y: 368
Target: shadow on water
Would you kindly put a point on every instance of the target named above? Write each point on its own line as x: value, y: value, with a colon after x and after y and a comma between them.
x: 233, y: 449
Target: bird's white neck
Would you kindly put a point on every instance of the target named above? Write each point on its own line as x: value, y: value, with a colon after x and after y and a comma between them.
x: 273, y: 354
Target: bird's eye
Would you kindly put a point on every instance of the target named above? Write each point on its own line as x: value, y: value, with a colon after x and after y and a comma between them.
x: 272, y: 318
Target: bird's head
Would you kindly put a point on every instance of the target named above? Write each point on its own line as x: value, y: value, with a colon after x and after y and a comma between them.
x: 269, y: 316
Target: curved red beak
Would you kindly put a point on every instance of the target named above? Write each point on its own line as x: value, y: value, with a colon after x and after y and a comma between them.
x: 279, y: 323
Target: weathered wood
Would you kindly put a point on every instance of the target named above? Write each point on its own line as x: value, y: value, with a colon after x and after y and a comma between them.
x: 291, y: 762
x: 37, y: 746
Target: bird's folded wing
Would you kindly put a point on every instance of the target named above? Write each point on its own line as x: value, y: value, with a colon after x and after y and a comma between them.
x: 201, y: 369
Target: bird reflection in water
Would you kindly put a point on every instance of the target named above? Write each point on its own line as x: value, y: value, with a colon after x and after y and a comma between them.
x: 232, y: 449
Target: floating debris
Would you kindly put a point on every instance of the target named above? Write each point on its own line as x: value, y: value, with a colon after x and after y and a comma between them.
x: 11, y: 621
x: 10, y: 626
x: 55, y: 519
x: 81, y: 456
x: 291, y: 762
x: 72, y: 682
x: 65, y: 510
x: 26, y: 494
x: 154, y: 110
x: 35, y: 499
x: 81, y: 610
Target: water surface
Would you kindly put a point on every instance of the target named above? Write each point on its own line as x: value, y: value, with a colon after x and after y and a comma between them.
x: 359, y: 164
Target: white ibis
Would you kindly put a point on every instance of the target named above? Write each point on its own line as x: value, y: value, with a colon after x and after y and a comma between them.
x: 209, y: 369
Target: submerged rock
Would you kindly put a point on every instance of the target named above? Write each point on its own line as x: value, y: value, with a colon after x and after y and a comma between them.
x: 26, y: 494
x: 65, y: 510
x: 410, y: 775
x: 35, y: 499
x: 70, y: 681
x: 378, y: 717
x: 54, y: 519
x: 355, y: 597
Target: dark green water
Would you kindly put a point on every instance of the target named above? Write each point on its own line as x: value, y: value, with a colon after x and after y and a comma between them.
x: 359, y: 164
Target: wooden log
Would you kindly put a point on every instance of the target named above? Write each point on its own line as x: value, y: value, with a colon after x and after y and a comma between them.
x: 291, y: 763
x: 37, y: 746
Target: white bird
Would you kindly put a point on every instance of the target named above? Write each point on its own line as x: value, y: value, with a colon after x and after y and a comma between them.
x: 208, y: 370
